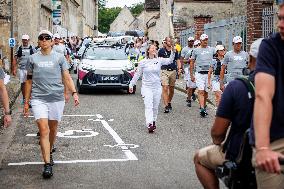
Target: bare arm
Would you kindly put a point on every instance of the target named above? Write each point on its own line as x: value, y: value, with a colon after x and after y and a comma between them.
x: 14, y: 66
x: 69, y: 85
x: 219, y: 130
x: 28, y: 90
x: 266, y: 159
x: 209, y: 75
x: 264, y: 92
x: 222, y: 73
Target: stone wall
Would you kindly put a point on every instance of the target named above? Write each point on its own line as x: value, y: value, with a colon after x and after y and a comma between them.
x: 184, y: 11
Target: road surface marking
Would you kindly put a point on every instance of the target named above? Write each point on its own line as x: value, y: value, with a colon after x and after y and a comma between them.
x: 130, y: 156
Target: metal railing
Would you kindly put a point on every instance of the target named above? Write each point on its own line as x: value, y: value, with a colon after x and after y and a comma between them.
x: 268, y: 21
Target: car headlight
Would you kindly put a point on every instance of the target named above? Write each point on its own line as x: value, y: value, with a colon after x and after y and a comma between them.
x: 86, y: 68
x: 129, y: 67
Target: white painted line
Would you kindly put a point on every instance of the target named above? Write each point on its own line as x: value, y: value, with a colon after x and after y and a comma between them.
x: 74, y: 116
x: 31, y: 135
x: 111, y: 120
x: 118, y: 140
x: 99, y: 116
x: 75, y: 161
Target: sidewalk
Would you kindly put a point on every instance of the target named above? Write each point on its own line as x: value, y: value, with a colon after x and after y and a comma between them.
x: 180, y: 85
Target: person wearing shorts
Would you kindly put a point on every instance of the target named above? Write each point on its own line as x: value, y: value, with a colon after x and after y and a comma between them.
x: 215, y: 68
x: 22, y: 55
x: 185, y: 59
x: 235, y: 62
x: 168, y: 73
x: 47, y: 70
x: 201, y: 60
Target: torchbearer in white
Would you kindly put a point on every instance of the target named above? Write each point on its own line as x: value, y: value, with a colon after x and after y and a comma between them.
x: 151, y: 89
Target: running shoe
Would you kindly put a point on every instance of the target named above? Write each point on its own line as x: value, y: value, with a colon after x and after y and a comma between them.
x: 189, y: 103
x: 187, y: 100
x: 47, y: 171
x: 167, y: 110
x: 151, y: 128
x: 170, y: 106
x: 154, y: 125
x: 205, y: 111
x: 202, y: 112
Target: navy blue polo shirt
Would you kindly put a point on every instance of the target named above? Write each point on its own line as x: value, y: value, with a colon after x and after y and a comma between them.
x: 236, y: 106
x: 270, y: 60
x: 166, y: 54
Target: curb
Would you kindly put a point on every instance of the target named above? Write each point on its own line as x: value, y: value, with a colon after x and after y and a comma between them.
x: 184, y: 91
x: 7, y: 134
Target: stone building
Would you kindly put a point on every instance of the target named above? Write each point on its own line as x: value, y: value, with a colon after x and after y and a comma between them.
x: 123, y: 21
x: 79, y: 17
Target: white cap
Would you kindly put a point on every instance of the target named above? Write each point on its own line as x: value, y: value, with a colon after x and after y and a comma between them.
x: 45, y: 32
x: 190, y: 39
x: 56, y: 35
x: 237, y: 39
x: 219, y: 48
x: 197, y: 42
x: 25, y: 36
x: 203, y: 37
x: 255, y: 47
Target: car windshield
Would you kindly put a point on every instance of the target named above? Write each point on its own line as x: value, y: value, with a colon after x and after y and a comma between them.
x: 105, y: 54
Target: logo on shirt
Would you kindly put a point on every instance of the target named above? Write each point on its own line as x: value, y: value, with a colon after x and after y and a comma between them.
x: 45, y: 64
x: 204, y: 52
x: 238, y: 58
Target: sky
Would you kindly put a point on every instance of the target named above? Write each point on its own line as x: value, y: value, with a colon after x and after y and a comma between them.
x: 121, y: 3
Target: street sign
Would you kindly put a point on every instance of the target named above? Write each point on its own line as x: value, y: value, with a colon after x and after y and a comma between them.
x: 12, y: 42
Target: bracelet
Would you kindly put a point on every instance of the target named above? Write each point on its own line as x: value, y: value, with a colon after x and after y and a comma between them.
x: 262, y: 148
x: 73, y: 93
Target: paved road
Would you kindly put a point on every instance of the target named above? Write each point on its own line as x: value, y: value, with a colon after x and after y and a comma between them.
x: 104, y: 144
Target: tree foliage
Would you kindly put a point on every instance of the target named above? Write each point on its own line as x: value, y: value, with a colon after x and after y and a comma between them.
x: 137, y: 9
x: 108, y: 15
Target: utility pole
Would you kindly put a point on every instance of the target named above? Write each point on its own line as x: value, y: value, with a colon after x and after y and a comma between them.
x: 12, y: 35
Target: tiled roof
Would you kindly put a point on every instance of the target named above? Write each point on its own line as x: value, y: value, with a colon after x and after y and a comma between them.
x: 151, y: 5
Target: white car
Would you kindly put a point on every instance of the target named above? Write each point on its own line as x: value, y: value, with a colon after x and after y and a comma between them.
x: 104, y: 67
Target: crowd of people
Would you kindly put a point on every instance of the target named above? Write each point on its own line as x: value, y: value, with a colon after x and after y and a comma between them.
x: 47, y: 85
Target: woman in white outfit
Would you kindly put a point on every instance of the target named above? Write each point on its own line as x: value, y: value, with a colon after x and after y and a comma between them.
x: 151, y: 89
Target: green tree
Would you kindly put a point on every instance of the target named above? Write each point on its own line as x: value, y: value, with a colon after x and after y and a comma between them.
x: 137, y: 9
x: 106, y: 17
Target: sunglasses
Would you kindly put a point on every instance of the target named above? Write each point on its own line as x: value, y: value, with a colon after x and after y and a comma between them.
x: 280, y: 17
x: 46, y: 37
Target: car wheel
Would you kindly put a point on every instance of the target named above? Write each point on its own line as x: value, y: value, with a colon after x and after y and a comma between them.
x: 79, y: 88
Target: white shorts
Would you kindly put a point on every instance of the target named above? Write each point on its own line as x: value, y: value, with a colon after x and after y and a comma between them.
x: 22, y: 75
x: 201, y: 81
x: 47, y: 110
x: 190, y: 84
x: 215, y: 86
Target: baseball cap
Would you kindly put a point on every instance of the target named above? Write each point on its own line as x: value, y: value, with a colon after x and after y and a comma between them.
x: 255, y: 47
x: 196, y: 42
x: 25, y: 36
x: 45, y: 32
x: 203, y: 37
x: 56, y: 36
x: 190, y: 39
x: 237, y: 39
x: 219, y: 48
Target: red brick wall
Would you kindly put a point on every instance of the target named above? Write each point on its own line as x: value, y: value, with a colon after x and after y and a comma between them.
x: 178, y: 27
x: 254, y: 18
x: 199, y: 22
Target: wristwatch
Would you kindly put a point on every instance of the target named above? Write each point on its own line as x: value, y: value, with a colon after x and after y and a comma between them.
x: 8, y: 113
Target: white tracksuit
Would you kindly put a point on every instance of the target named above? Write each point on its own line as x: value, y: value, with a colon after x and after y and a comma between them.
x: 151, y: 89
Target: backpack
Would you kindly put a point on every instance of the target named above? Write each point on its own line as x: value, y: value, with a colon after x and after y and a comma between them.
x: 20, y: 51
x: 251, y: 95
